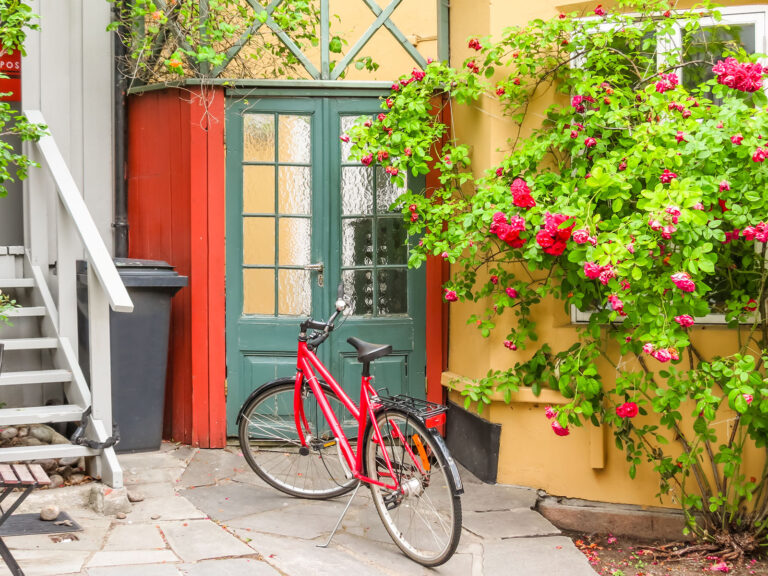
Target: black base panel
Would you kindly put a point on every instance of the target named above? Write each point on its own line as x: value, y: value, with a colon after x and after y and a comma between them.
x: 474, y: 442
x: 29, y: 524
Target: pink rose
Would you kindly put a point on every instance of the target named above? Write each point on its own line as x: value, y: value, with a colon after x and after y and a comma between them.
x: 627, y: 410
x: 666, y: 82
x: 511, y: 292
x: 685, y: 320
x: 698, y: 206
x: 344, y: 138
x: 550, y: 412
x: 746, y: 77
x: 724, y: 186
x: 591, y: 270
x: 494, y: 279
x: 667, y: 231
x: 648, y: 348
x: 599, y: 11
x: 474, y: 43
x: 683, y: 281
x: 589, y: 142
x: 680, y: 137
x: 510, y: 345
x: 450, y: 295
x: 581, y: 236
x: 654, y: 224
x: 737, y: 139
x: 667, y: 176
x: 607, y: 272
x: 367, y: 159
x: 759, y: 155
x: 748, y: 398
x: 662, y: 355
x: 559, y: 429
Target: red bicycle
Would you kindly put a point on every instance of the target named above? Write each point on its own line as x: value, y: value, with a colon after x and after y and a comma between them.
x: 293, y: 439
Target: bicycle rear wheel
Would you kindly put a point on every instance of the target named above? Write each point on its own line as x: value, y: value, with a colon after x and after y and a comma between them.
x: 424, y: 518
x: 271, y: 445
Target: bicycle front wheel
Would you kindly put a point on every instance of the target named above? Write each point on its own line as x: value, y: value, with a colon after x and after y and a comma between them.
x: 424, y: 516
x: 271, y: 445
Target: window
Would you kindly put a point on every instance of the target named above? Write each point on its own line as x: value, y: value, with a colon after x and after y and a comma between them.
x: 740, y: 27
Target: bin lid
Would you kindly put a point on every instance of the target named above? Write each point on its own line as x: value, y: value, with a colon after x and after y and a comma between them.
x: 135, y: 272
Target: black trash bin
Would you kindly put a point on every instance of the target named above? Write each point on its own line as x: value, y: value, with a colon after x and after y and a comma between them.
x: 139, y: 348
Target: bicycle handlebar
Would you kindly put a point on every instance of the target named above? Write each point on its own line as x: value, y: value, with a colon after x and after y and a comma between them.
x: 326, y: 327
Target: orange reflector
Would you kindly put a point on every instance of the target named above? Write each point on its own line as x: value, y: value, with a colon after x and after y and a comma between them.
x: 421, y: 451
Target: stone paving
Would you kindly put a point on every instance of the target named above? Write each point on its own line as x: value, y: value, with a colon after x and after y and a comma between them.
x: 205, y: 513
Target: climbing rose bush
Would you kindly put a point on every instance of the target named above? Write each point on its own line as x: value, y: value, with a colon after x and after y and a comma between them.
x: 639, y: 198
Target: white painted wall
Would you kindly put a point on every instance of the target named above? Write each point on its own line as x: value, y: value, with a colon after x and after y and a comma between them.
x: 67, y: 74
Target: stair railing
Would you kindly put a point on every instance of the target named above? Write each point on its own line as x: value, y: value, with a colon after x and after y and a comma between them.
x: 76, y: 236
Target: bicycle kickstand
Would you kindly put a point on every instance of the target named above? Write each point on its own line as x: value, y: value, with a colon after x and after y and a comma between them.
x: 344, y: 513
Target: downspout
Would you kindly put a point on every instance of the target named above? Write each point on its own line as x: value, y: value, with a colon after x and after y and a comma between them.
x: 120, y: 222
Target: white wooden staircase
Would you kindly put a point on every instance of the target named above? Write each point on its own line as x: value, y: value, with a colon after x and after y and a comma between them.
x: 40, y: 379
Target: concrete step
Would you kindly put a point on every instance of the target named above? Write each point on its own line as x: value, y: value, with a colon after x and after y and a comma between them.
x: 40, y: 415
x: 25, y: 311
x: 29, y: 343
x: 23, y: 453
x: 35, y: 377
x: 17, y: 282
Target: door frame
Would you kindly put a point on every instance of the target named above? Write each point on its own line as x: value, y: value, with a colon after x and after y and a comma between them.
x: 437, y: 271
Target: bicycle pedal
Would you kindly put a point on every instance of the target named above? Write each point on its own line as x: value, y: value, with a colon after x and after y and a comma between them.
x: 304, y: 451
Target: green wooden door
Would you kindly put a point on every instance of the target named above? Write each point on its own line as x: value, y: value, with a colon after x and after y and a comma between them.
x: 301, y: 218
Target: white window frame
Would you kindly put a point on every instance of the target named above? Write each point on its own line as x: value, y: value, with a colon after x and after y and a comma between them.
x: 731, y: 16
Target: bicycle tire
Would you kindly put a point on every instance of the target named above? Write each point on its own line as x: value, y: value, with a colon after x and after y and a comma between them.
x: 432, y: 500
x: 271, y: 445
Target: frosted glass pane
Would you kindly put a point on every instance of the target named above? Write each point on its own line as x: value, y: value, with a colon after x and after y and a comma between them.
x: 390, y: 239
x: 386, y: 191
x: 359, y: 285
x: 295, y: 184
x: 259, y: 189
x: 258, y: 291
x: 259, y: 138
x: 357, y: 190
x: 259, y: 241
x: 346, y: 123
x: 357, y: 242
x: 294, y: 293
x: 295, y: 139
x: 393, y: 292
x: 295, y: 241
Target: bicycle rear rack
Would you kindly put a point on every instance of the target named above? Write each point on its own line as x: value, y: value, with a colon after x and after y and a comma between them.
x: 421, y: 408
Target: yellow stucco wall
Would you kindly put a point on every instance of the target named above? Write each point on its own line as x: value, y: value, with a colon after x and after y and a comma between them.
x: 585, y: 464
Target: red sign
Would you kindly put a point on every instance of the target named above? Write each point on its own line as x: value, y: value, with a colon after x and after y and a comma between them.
x: 10, y: 66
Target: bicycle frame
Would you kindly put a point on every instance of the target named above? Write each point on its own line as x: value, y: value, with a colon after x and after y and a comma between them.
x: 306, y: 365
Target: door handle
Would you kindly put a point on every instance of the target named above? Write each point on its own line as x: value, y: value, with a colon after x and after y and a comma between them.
x: 319, y: 267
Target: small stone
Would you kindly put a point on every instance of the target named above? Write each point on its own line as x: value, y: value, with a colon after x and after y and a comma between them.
x: 109, y: 501
x: 121, y: 516
x: 135, y: 496
x: 68, y: 461
x: 9, y: 433
x: 30, y: 441
x: 154, y: 517
x: 56, y: 481
x: 76, y: 478
x: 49, y: 513
x: 42, y: 433
x: 23, y: 431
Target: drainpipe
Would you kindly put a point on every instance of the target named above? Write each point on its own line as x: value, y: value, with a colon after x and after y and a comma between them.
x: 120, y: 222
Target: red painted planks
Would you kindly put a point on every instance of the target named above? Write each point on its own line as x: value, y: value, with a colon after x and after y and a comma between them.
x: 176, y: 213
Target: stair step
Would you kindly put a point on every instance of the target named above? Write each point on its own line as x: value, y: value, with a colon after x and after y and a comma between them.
x: 17, y: 282
x: 29, y: 343
x: 25, y: 453
x: 25, y: 311
x: 35, y: 377
x: 40, y: 415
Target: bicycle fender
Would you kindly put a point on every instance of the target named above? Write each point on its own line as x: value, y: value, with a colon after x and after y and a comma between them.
x: 458, y: 487
x: 264, y: 387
